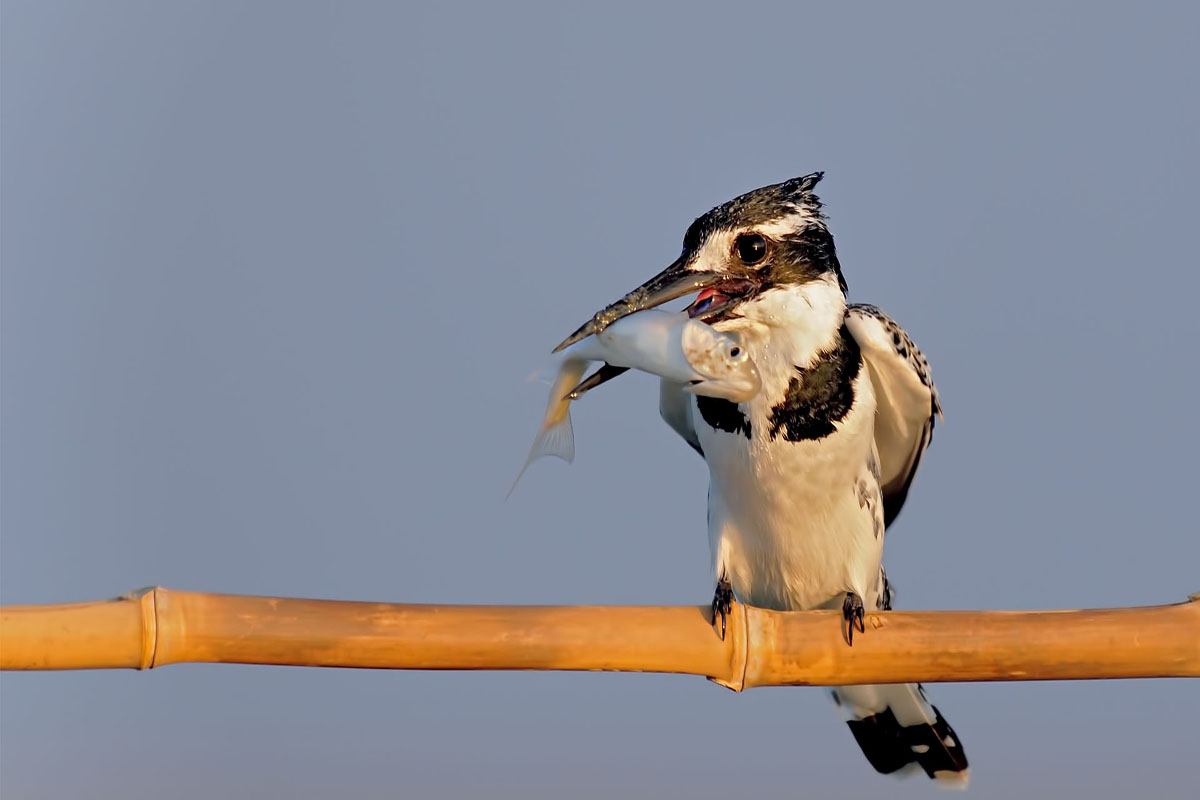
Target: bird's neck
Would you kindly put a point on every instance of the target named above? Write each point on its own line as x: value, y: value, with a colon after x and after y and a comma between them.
x: 811, y: 370
x: 787, y: 327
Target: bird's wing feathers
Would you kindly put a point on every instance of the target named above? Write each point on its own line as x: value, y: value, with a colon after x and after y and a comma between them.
x: 674, y: 405
x: 907, y: 400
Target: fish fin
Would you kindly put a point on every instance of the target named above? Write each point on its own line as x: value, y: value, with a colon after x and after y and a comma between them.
x: 555, y: 437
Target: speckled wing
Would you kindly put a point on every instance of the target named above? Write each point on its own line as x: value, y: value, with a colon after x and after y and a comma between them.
x: 907, y: 400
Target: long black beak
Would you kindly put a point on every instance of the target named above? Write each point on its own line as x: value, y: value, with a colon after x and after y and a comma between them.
x: 674, y: 281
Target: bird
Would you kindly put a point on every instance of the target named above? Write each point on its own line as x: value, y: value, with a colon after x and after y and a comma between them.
x: 806, y: 477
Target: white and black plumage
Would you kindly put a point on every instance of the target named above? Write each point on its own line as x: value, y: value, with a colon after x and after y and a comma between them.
x: 806, y: 476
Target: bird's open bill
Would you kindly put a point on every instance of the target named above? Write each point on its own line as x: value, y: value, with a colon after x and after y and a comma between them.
x: 674, y: 281
x: 717, y: 292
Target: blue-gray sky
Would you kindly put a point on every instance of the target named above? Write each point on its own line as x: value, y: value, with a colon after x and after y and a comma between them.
x: 274, y: 275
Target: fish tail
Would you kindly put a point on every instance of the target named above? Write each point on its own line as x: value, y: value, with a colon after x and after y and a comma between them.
x: 555, y: 437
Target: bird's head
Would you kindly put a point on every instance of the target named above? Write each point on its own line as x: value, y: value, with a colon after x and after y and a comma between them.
x: 772, y: 237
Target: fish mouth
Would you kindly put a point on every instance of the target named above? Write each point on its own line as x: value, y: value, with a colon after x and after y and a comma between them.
x: 715, y: 302
x: 733, y: 391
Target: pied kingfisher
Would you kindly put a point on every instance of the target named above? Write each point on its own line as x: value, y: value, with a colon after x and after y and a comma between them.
x: 807, y: 475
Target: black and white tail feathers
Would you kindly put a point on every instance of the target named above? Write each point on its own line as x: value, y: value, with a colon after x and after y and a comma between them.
x: 900, y: 732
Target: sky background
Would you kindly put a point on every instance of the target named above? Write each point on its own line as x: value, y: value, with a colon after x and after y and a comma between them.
x: 275, y: 275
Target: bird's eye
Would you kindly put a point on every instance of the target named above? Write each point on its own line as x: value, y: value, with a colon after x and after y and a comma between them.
x: 751, y: 248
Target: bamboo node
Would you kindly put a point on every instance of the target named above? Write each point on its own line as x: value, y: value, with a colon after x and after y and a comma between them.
x: 738, y: 646
x: 147, y: 600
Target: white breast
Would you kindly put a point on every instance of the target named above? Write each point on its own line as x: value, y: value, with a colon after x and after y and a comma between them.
x: 794, y: 524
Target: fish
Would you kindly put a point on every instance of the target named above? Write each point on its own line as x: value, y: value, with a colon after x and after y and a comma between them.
x: 671, y: 345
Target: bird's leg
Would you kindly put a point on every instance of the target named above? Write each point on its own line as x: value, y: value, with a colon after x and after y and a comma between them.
x: 853, y: 614
x: 722, y: 602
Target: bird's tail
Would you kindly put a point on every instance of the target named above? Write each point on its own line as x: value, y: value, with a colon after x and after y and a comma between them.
x: 900, y: 732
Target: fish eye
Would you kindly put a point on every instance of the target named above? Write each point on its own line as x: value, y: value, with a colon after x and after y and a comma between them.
x: 734, y: 352
x: 751, y: 248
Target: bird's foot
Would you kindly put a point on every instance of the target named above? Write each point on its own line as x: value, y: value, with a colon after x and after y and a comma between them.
x: 722, y: 603
x: 854, y: 615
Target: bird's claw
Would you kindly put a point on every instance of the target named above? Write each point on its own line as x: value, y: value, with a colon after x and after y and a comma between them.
x: 722, y: 603
x: 854, y: 616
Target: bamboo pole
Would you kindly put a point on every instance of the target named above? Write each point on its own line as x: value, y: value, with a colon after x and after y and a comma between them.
x: 155, y: 627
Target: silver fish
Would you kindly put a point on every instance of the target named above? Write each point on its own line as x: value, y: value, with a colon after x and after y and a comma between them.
x: 671, y: 345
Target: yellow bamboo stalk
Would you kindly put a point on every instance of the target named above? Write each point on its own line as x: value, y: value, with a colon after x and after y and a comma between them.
x: 155, y: 627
